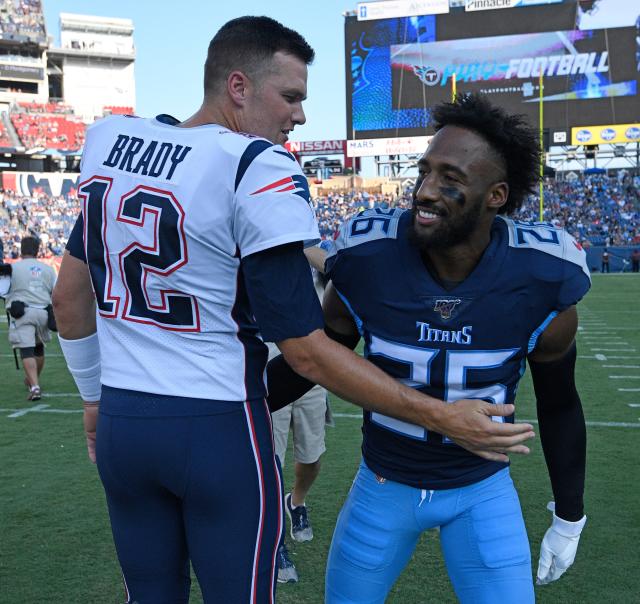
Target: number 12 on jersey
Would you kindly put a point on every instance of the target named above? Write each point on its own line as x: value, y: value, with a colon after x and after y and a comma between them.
x: 144, y: 214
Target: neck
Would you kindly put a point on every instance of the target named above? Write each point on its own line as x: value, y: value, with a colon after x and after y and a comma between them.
x: 213, y: 112
x: 456, y: 263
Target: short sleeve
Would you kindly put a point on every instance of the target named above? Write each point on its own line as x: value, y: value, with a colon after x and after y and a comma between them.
x: 281, y: 292
x: 75, y: 243
x: 577, y: 280
x: 272, y: 203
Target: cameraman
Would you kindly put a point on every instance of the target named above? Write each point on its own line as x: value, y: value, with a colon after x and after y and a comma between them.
x: 28, y: 301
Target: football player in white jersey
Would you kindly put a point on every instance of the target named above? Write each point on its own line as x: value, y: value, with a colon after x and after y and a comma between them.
x: 188, y: 255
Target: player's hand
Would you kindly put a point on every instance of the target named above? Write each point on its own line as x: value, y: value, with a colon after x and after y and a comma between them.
x: 468, y: 422
x: 559, y: 547
x: 90, y: 421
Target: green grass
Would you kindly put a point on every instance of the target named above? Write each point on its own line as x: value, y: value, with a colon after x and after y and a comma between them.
x: 55, y: 541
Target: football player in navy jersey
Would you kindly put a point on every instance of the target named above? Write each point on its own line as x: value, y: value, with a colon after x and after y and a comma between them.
x: 188, y: 254
x: 453, y: 299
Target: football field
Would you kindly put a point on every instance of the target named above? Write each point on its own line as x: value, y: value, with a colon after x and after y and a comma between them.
x: 55, y: 540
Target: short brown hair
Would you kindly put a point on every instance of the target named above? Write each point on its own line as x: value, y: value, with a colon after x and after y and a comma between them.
x: 246, y: 43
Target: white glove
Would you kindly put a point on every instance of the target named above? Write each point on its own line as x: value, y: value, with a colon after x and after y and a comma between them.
x: 559, y: 547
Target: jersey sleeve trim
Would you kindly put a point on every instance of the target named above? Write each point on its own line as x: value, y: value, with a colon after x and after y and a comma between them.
x: 533, y: 340
x: 358, y: 321
x: 308, y: 238
x: 252, y: 151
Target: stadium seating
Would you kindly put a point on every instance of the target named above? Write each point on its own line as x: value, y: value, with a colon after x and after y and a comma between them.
x: 48, y: 125
x: 22, y: 18
x: 115, y: 110
x: 596, y: 209
x: 5, y: 139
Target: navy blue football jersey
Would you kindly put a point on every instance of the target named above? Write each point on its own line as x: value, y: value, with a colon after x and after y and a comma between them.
x: 467, y: 342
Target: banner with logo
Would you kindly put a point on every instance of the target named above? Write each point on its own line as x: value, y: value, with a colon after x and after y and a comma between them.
x: 35, y: 183
x: 471, y: 5
x: 329, y: 147
x: 605, y: 135
x: 390, y: 9
x: 406, y: 145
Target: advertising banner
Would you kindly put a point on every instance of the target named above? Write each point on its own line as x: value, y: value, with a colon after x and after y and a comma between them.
x: 21, y: 72
x: 390, y: 9
x: 471, y: 5
x: 328, y: 147
x: 605, y: 135
x: 407, y: 145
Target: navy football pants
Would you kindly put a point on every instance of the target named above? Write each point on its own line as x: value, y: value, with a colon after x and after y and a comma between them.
x: 191, y: 480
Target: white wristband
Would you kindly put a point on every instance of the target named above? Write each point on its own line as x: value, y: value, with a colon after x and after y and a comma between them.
x: 83, y: 361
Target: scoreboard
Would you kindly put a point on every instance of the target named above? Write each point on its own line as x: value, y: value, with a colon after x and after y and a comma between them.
x: 588, y: 58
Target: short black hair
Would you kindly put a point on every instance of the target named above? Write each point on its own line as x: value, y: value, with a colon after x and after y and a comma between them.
x: 511, y: 137
x: 246, y: 43
x: 29, y: 246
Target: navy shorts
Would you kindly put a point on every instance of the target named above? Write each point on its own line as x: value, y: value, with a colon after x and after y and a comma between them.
x: 191, y: 480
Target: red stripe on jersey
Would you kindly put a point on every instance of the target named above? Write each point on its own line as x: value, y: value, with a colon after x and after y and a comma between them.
x: 289, y: 188
x: 256, y: 453
x: 273, y: 185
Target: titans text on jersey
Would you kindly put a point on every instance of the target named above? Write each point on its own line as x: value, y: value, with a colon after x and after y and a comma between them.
x: 467, y: 342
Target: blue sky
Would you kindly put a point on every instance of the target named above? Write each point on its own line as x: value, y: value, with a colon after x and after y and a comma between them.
x: 171, y: 43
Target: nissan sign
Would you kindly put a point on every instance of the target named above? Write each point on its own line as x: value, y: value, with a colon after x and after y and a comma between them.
x: 317, y: 147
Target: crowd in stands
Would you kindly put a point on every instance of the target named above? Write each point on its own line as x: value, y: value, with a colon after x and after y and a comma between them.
x: 595, y: 209
x: 5, y: 139
x: 50, y: 218
x: 22, y: 18
x: 48, y: 125
x: 52, y: 125
x: 117, y: 110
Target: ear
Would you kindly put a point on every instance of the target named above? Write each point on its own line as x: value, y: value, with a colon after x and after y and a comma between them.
x: 237, y: 85
x: 497, y: 195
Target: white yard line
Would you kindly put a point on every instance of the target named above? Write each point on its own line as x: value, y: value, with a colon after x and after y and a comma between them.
x: 624, y: 377
x: 614, y: 349
x: 38, y: 409
x: 22, y: 412
x: 628, y: 389
x: 622, y: 366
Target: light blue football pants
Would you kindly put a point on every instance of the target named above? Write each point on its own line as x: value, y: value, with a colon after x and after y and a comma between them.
x: 482, y: 535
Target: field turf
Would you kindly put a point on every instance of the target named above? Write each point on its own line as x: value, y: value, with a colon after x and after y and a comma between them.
x: 55, y: 541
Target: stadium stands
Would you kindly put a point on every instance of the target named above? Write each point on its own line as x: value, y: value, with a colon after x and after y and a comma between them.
x: 114, y: 110
x: 5, y: 139
x: 48, y: 125
x: 596, y: 209
x: 22, y: 18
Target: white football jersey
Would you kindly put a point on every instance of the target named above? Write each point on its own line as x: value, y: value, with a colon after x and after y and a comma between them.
x: 168, y: 214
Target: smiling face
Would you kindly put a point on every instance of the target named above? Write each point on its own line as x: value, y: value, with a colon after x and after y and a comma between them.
x: 273, y: 105
x: 459, y: 189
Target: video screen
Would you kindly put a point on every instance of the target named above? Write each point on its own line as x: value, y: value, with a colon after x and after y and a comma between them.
x: 589, y: 56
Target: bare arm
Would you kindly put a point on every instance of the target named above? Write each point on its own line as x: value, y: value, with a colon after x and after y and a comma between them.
x: 74, y: 308
x: 73, y: 300
x: 351, y: 377
x: 557, y: 338
x: 316, y: 257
